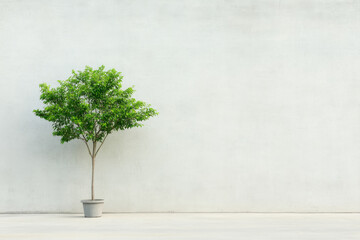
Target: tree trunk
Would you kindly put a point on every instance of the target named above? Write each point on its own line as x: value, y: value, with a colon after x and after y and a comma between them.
x: 92, y: 170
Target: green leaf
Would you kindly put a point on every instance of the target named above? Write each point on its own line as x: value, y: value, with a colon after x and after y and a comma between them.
x: 90, y: 104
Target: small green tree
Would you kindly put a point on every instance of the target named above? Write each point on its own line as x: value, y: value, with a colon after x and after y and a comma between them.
x: 90, y: 105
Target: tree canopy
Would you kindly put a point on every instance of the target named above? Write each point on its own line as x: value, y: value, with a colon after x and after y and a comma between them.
x: 90, y: 104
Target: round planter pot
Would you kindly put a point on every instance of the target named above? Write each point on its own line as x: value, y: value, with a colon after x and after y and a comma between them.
x: 93, y: 208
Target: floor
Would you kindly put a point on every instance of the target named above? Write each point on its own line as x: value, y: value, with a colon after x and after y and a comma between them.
x: 207, y: 226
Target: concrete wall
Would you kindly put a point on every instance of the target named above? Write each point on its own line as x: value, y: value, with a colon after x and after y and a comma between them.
x: 259, y: 105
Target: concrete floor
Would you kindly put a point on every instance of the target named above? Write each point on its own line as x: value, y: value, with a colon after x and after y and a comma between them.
x: 205, y: 226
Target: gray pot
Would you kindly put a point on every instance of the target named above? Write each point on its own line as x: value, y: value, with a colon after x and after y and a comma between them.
x: 93, y: 208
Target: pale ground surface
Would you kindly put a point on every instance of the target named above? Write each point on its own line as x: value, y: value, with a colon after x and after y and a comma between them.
x: 207, y: 226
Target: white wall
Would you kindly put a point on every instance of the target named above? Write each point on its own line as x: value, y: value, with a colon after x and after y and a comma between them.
x: 259, y: 105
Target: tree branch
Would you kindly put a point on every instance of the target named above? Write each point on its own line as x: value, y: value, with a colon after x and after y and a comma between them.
x: 101, y: 144
x: 97, y: 132
x: 87, y: 145
x: 84, y: 139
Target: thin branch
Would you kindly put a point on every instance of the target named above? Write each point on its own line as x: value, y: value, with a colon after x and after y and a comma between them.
x: 83, y: 138
x: 101, y: 144
x: 96, y: 133
x: 88, y: 147
x: 95, y: 128
x: 86, y: 144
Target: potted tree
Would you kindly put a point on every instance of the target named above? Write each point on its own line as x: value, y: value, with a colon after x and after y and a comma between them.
x: 88, y: 106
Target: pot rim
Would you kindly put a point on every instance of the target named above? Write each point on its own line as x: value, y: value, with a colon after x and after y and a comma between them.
x: 93, y: 201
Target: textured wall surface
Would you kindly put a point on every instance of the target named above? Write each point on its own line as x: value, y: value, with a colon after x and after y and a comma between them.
x: 259, y: 105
